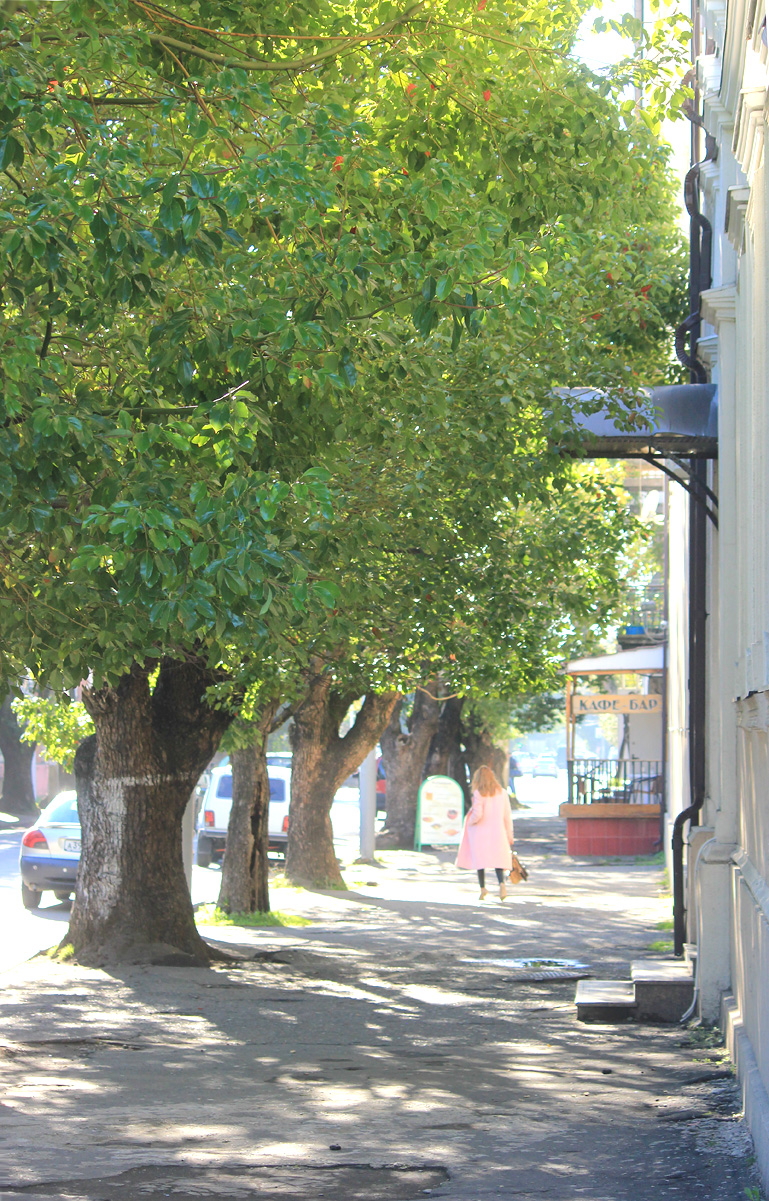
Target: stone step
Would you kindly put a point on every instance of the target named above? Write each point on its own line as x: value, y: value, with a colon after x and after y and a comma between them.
x: 690, y: 953
x: 605, y: 1000
x: 664, y: 989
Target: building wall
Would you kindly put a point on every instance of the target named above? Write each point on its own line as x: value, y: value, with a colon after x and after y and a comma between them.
x: 730, y: 885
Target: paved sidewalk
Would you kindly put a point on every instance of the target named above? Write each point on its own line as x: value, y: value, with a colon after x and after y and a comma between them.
x: 379, y: 1053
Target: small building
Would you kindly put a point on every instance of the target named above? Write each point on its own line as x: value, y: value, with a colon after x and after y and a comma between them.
x: 615, y: 805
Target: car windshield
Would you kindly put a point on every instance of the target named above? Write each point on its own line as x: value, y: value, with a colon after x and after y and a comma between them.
x: 62, y: 809
x: 224, y: 787
x: 277, y: 789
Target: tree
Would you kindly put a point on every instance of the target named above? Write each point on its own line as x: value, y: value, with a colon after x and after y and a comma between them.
x: 222, y: 273
x: 245, y: 882
x: 445, y: 757
x: 485, y: 734
x: 59, y: 725
x: 321, y: 762
x: 405, y: 743
x: 18, y: 752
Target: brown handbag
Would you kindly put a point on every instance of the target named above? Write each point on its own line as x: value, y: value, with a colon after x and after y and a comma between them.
x: 518, y: 872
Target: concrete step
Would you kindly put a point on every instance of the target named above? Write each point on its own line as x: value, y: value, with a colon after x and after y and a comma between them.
x: 605, y: 1001
x: 664, y: 989
x: 690, y: 953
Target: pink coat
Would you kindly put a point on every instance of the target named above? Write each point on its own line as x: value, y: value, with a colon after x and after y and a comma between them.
x: 487, y: 834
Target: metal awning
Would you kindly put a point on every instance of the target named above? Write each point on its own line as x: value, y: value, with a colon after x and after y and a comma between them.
x: 643, y: 661
x: 685, y: 425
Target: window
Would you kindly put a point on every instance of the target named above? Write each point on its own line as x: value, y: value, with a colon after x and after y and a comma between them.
x: 63, y: 809
x: 277, y: 789
x: 224, y: 787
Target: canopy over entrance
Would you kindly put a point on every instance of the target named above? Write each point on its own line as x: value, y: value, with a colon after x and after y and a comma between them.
x: 685, y: 425
x: 643, y: 661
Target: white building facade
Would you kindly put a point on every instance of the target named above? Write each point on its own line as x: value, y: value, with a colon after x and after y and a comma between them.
x: 728, y: 853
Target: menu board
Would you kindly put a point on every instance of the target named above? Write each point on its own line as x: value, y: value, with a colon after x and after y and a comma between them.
x: 440, y: 811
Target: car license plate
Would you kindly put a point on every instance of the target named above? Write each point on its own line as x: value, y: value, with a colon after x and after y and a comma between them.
x: 70, y: 844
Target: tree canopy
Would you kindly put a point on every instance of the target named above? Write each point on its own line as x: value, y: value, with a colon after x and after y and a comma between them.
x: 236, y: 243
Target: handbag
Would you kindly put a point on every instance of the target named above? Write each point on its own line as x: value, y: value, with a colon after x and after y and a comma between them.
x: 518, y: 872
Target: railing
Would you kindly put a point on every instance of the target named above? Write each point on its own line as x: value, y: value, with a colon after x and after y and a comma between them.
x: 615, y: 781
x: 643, y: 610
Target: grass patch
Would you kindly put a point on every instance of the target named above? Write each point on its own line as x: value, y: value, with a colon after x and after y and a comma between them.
x: 665, y: 924
x: 657, y: 860
x: 61, y: 954
x: 209, y: 915
x: 661, y: 946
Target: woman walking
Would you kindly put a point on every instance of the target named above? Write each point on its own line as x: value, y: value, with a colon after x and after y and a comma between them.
x: 487, y: 835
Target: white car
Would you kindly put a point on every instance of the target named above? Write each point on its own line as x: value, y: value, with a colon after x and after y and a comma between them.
x: 545, y: 765
x: 50, y: 852
x: 214, y: 814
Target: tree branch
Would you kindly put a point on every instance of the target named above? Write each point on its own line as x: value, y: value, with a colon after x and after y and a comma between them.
x: 294, y: 64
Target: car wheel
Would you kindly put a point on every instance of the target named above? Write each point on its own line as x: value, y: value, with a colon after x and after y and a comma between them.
x: 62, y: 896
x: 203, y: 857
x: 30, y: 897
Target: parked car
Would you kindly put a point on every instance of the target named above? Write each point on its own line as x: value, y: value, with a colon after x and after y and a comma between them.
x: 50, y: 852
x: 545, y: 766
x: 214, y: 815
x: 525, y: 762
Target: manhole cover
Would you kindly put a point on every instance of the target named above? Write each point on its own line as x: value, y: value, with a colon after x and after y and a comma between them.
x: 241, y: 1182
x: 538, y: 969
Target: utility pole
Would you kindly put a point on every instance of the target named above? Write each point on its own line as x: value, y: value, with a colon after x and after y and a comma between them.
x: 367, y: 783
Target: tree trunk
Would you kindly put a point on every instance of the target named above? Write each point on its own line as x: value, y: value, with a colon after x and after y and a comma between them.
x: 134, y: 779
x: 404, y: 756
x: 480, y: 751
x: 322, y: 761
x: 445, y: 757
x: 245, y: 871
x: 18, y: 794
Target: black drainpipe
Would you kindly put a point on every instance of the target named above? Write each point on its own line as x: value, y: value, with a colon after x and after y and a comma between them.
x: 697, y: 682
x: 700, y: 278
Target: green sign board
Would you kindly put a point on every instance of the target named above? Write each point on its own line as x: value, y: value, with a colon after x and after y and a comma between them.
x: 440, y: 811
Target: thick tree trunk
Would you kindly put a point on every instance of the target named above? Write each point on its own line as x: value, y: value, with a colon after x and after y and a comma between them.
x: 18, y: 794
x: 322, y: 761
x: 481, y: 751
x: 446, y: 757
x: 134, y: 779
x: 245, y: 871
x: 404, y: 756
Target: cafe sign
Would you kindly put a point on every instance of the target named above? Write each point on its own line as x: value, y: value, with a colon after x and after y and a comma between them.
x: 606, y: 703
x: 440, y: 810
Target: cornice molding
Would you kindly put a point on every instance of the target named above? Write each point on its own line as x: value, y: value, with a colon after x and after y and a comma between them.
x: 737, y: 200
x: 719, y: 306
x: 707, y: 352
x: 748, y: 137
x: 719, y: 120
x: 714, y: 12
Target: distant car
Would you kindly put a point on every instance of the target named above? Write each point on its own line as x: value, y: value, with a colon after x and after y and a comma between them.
x: 214, y: 815
x: 50, y: 852
x: 525, y: 762
x: 545, y: 766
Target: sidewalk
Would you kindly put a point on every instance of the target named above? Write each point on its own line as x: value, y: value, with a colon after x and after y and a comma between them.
x: 379, y: 1053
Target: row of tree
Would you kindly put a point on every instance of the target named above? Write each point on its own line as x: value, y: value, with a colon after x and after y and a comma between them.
x: 290, y: 304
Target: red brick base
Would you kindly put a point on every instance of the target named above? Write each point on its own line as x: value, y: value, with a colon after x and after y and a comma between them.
x: 612, y: 836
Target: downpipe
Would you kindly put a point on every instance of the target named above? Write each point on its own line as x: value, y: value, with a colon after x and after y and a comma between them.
x: 696, y: 996
x: 679, y: 906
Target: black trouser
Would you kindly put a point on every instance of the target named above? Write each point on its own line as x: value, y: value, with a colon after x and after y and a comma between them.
x: 482, y: 875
